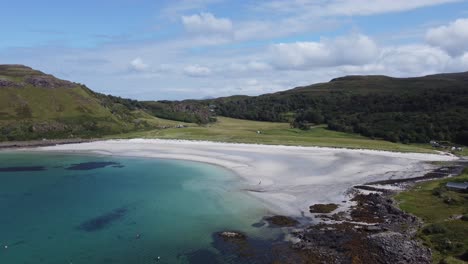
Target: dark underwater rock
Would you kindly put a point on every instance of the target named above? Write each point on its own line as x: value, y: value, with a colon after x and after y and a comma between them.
x: 103, y: 221
x: 232, y: 235
x: 92, y: 165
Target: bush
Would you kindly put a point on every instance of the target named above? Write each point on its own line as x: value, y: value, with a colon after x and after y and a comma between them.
x: 451, y: 199
x: 446, y: 245
x: 439, y: 191
x: 434, y: 229
x: 465, y: 218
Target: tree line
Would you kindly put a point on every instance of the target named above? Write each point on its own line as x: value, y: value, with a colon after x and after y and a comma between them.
x: 423, y: 110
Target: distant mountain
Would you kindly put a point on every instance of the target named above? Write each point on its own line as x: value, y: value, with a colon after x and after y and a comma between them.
x: 397, y: 109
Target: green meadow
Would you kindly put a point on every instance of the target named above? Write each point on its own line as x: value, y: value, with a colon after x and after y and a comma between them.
x: 445, y: 216
x: 273, y: 133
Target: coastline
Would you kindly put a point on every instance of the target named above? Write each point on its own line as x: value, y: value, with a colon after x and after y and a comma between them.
x: 41, y: 143
x: 288, y: 179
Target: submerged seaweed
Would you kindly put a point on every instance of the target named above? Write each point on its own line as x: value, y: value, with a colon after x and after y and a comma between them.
x: 103, y: 221
x: 93, y: 165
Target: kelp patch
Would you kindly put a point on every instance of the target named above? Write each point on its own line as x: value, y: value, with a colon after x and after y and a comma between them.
x: 103, y: 221
x: 93, y: 165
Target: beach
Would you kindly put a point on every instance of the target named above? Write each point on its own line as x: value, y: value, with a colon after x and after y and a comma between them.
x: 288, y: 179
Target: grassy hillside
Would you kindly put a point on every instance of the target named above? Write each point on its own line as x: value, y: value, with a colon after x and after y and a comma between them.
x: 36, y: 105
x: 245, y: 131
x: 408, y: 110
x: 445, y: 216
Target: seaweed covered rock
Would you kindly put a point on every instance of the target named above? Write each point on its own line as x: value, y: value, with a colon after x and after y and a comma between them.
x: 232, y: 235
x: 282, y: 221
x: 323, y: 208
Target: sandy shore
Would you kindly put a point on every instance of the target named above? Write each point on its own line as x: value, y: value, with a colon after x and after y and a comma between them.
x: 288, y: 179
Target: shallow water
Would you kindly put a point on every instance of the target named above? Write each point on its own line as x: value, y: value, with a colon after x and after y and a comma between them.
x: 97, y: 209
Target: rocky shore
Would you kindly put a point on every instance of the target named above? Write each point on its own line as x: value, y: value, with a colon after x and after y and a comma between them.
x: 372, y: 230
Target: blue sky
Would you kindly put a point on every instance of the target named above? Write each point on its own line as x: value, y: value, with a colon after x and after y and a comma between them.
x: 193, y: 49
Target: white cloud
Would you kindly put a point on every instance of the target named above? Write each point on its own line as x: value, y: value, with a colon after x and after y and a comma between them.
x: 197, y: 71
x: 177, y: 7
x: 371, y: 7
x: 165, y: 67
x: 410, y: 60
x: 464, y: 60
x: 206, y: 23
x: 453, y: 38
x: 350, y: 7
x: 355, y: 49
x: 138, y: 65
x: 251, y: 66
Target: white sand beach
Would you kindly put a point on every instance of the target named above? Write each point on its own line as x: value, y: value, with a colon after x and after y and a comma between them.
x: 288, y: 179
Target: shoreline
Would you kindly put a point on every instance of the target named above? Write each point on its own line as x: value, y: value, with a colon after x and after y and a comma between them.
x: 287, y: 179
x: 41, y: 143
x: 375, y: 221
x: 55, y: 142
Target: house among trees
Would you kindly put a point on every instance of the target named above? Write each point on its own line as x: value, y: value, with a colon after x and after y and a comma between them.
x: 458, y: 186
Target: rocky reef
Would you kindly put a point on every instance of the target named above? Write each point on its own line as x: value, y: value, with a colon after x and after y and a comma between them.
x: 373, y: 231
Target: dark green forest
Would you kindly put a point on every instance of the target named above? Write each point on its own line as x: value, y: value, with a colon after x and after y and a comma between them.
x: 408, y: 110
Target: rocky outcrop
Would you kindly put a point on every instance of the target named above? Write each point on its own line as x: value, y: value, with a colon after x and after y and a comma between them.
x: 374, y: 231
x: 398, y: 248
x: 8, y: 83
x: 48, y: 81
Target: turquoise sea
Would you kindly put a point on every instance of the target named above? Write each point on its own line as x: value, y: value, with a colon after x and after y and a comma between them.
x: 57, y: 208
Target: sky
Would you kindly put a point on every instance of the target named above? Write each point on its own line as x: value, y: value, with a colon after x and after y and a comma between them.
x: 192, y: 49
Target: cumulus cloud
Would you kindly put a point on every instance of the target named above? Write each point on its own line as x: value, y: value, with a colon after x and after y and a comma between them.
x: 175, y: 8
x: 409, y: 60
x: 197, y: 71
x: 250, y: 66
x: 206, y: 23
x: 138, y: 65
x: 464, y: 60
x: 371, y: 7
x: 167, y: 68
x: 355, y: 49
x: 350, y: 7
x: 453, y: 38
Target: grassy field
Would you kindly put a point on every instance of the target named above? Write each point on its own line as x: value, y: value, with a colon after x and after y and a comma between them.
x: 244, y: 131
x: 439, y: 208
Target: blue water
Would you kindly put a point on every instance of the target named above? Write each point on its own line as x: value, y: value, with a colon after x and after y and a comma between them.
x: 57, y: 208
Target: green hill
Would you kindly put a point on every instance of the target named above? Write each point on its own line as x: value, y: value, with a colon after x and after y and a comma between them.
x: 36, y: 105
x: 396, y: 109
